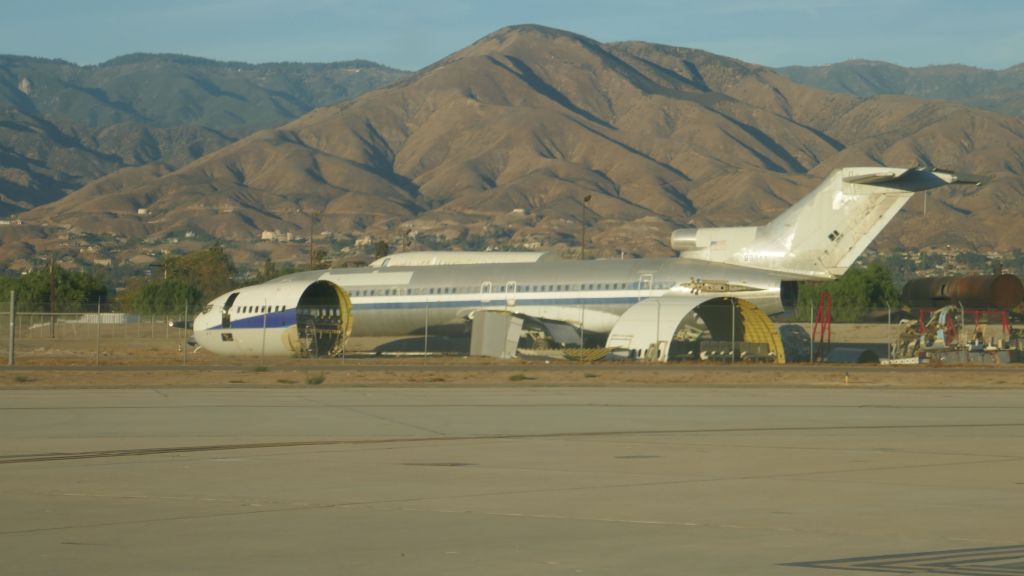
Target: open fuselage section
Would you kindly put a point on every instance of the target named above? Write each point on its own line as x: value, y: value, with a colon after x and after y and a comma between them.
x: 315, y: 311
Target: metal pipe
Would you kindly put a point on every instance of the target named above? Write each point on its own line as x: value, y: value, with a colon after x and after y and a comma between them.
x: 1003, y: 291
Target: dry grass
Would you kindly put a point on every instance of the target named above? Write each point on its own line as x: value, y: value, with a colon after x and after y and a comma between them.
x: 134, y: 363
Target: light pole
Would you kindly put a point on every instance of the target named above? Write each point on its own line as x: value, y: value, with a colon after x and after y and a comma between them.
x: 583, y: 248
x: 583, y: 226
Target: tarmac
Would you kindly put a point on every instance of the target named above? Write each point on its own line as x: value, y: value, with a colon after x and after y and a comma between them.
x: 512, y: 480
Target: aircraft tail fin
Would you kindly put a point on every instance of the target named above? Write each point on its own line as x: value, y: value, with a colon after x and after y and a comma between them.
x: 822, y: 234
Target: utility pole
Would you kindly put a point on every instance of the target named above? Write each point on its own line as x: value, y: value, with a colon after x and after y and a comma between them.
x: 310, y: 241
x: 312, y: 248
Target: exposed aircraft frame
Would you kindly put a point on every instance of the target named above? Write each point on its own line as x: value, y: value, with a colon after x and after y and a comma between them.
x: 733, y: 278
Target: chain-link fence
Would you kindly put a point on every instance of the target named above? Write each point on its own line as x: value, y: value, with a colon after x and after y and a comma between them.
x: 96, y: 332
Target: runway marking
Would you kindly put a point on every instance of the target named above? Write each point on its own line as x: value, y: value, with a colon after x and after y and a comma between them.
x: 55, y: 456
x: 996, y: 561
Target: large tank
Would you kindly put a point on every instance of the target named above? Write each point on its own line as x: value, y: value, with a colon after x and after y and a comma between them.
x: 1003, y: 291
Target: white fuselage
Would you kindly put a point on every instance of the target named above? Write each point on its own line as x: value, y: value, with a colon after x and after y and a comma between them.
x: 403, y: 300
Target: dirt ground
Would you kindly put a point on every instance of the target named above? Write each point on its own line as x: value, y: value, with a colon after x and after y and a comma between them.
x: 127, y: 361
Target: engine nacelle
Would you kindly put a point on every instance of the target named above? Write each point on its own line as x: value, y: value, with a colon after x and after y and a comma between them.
x: 732, y: 238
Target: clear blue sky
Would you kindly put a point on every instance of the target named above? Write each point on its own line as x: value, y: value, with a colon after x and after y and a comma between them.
x: 410, y: 34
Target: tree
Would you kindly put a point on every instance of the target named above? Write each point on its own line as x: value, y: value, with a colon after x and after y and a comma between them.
x: 930, y: 261
x: 381, y: 249
x: 973, y: 261
x: 167, y: 297
x: 193, y: 278
x: 854, y: 294
x: 211, y: 271
x: 73, y: 291
x: 270, y: 270
x: 320, y: 261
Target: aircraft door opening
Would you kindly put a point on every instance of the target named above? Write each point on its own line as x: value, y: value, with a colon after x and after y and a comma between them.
x: 485, y: 291
x: 645, y: 285
x: 225, y: 318
x: 510, y: 293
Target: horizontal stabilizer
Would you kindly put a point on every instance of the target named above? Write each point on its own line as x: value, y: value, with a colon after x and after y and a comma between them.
x: 912, y: 179
x: 876, y: 178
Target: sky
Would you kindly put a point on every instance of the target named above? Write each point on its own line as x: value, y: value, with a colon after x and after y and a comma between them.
x: 411, y: 34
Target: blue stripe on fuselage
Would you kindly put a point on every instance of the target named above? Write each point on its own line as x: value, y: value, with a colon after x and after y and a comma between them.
x: 286, y: 318
x: 274, y: 320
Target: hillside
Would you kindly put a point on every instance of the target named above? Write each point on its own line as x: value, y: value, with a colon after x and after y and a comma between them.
x: 996, y: 90
x: 505, y: 137
x: 63, y: 125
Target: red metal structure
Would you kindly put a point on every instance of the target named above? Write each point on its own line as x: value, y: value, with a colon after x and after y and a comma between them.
x: 823, y: 319
x: 952, y: 329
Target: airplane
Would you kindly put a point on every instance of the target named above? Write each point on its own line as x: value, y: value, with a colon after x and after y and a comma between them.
x: 733, y: 278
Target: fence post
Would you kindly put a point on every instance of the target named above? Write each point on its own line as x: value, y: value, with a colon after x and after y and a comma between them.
x: 184, y: 339
x: 99, y: 324
x: 263, y: 344
x: 10, y: 331
x: 732, y: 354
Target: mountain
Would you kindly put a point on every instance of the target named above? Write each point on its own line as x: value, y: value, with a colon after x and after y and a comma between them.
x: 997, y: 90
x: 507, y: 136
x: 63, y: 125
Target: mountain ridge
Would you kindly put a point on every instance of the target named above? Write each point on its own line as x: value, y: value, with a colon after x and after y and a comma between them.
x: 63, y: 125
x: 505, y: 137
